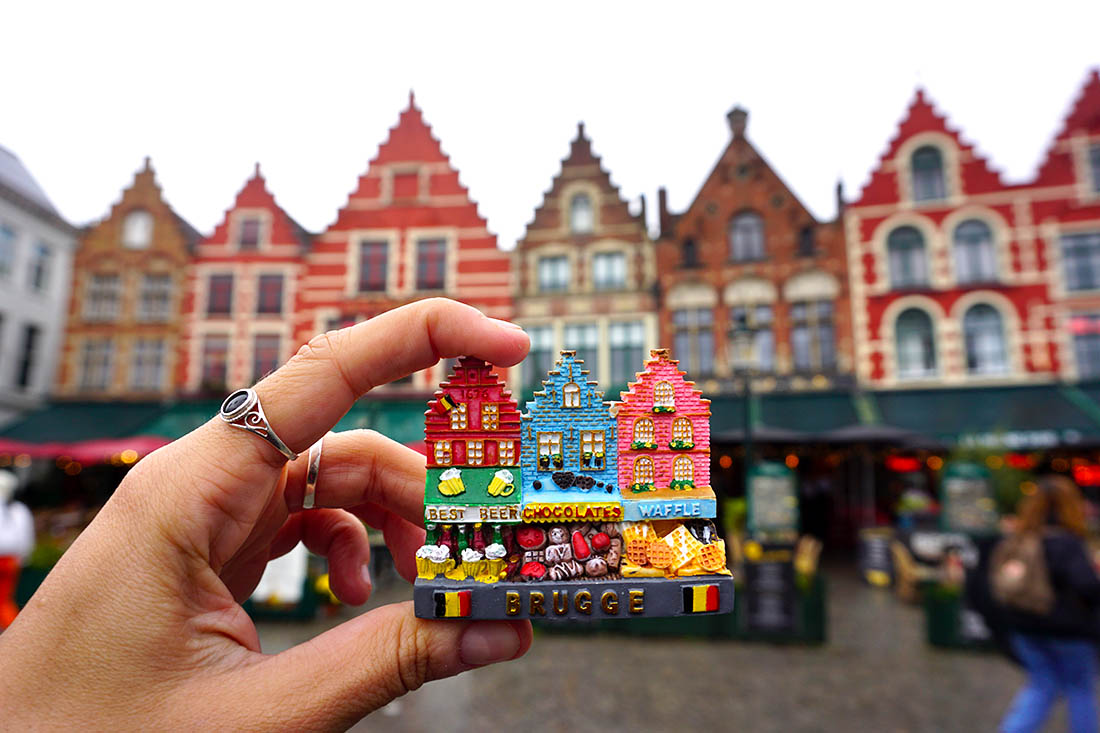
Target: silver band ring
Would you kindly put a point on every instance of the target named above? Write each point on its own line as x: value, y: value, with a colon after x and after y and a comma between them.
x: 242, y: 410
x: 313, y: 468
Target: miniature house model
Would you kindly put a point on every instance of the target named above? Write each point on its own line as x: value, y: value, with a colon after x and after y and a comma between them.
x: 578, y: 508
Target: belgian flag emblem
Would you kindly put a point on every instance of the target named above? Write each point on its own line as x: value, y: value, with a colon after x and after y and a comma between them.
x: 446, y: 403
x: 700, y: 598
x: 456, y: 604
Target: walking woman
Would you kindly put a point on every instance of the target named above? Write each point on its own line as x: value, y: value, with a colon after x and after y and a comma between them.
x: 1056, y: 647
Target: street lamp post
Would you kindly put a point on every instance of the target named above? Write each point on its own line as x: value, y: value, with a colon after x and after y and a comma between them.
x: 743, y: 343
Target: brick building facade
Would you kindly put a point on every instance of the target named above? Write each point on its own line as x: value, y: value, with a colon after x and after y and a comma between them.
x: 408, y: 231
x: 241, y: 292
x: 585, y: 275
x: 747, y: 249
x: 124, y: 313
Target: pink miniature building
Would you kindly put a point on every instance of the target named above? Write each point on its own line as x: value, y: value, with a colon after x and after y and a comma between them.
x: 663, y: 434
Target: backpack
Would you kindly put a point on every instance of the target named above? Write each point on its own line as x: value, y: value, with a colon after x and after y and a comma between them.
x: 1018, y: 574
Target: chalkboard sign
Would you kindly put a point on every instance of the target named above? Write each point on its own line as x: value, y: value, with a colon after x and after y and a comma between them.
x: 967, y: 503
x: 772, y: 500
x: 770, y: 596
x: 875, y: 562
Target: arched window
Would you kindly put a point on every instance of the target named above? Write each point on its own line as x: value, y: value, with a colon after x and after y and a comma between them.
x: 571, y: 395
x: 137, y: 229
x: 643, y: 431
x: 683, y: 469
x: 975, y: 261
x: 984, y: 335
x: 915, y: 344
x: 581, y: 218
x: 927, y: 168
x: 746, y: 237
x: 908, y: 264
x: 681, y: 429
x: 663, y: 395
x: 643, y: 470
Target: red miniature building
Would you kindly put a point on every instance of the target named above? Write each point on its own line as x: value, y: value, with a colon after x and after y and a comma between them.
x: 473, y: 420
x: 408, y: 231
x: 240, y: 294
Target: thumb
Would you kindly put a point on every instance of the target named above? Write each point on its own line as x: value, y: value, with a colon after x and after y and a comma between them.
x: 342, y: 675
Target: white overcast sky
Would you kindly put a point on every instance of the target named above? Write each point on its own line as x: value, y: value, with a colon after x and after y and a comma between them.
x: 310, y: 90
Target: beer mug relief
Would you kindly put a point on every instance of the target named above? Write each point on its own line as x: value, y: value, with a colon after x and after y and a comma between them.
x: 579, y: 508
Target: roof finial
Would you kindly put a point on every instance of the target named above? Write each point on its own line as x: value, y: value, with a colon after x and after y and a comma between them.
x: 148, y: 164
x: 256, y: 171
x: 580, y: 128
x: 412, y: 98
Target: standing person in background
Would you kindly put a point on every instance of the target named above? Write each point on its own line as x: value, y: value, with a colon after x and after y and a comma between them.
x: 16, y: 543
x: 1057, y: 647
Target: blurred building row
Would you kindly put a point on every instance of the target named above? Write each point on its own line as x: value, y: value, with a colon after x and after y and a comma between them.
x: 937, y: 274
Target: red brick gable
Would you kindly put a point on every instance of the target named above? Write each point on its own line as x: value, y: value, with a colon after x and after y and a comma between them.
x: 254, y: 195
x: 921, y: 117
x: 1057, y: 167
x: 473, y: 383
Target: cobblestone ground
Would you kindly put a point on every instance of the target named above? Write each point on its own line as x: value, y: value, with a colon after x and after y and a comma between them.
x: 876, y: 673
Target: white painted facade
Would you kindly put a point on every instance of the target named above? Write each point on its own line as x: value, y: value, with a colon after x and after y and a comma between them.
x: 32, y: 300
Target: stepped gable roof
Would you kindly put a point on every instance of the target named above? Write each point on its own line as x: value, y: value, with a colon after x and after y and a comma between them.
x: 580, y: 156
x: 19, y: 186
x: 255, y: 195
x: 639, y: 393
x: 1083, y: 117
x: 410, y: 142
x: 977, y: 176
x: 560, y: 373
x: 146, y: 176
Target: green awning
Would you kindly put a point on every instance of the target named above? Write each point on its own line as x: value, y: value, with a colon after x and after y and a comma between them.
x: 400, y: 420
x: 181, y: 418
x: 1017, y: 417
x: 782, y: 416
x: 67, y: 422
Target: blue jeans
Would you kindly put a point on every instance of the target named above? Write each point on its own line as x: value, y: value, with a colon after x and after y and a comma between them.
x: 1054, y: 666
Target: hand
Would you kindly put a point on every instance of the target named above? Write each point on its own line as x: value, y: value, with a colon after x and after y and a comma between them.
x: 139, y: 625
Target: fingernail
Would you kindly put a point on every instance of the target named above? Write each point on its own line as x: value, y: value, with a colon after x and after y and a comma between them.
x: 486, y: 642
x: 506, y: 324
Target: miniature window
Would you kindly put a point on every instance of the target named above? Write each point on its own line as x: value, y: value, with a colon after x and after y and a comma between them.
x: 683, y: 469
x: 458, y: 416
x: 475, y: 452
x: 571, y: 395
x: 643, y: 470
x: 550, y: 456
x: 643, y: 430
x: 490, y: 416
x: 506, y: 452
x: 592, y: 450
x: 442, y: 453
x: 681, y: 429
x: 663, y: 395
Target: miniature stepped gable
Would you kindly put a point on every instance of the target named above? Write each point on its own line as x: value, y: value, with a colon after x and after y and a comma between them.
x: 663, y: 429
x: 473, y: 405
x: 569, y: 450
x: 975, y: 174
x: 255, y: 197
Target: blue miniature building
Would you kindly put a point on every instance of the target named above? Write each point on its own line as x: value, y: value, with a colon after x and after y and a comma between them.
x: 568, y: 446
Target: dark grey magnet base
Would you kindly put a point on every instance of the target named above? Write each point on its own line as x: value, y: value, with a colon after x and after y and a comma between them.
x: 660, y: 597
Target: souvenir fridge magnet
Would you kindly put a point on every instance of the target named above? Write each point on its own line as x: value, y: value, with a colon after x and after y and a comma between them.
x: 577, y: 509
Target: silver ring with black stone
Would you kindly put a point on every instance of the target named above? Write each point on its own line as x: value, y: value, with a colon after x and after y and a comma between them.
x: 243, y: 410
